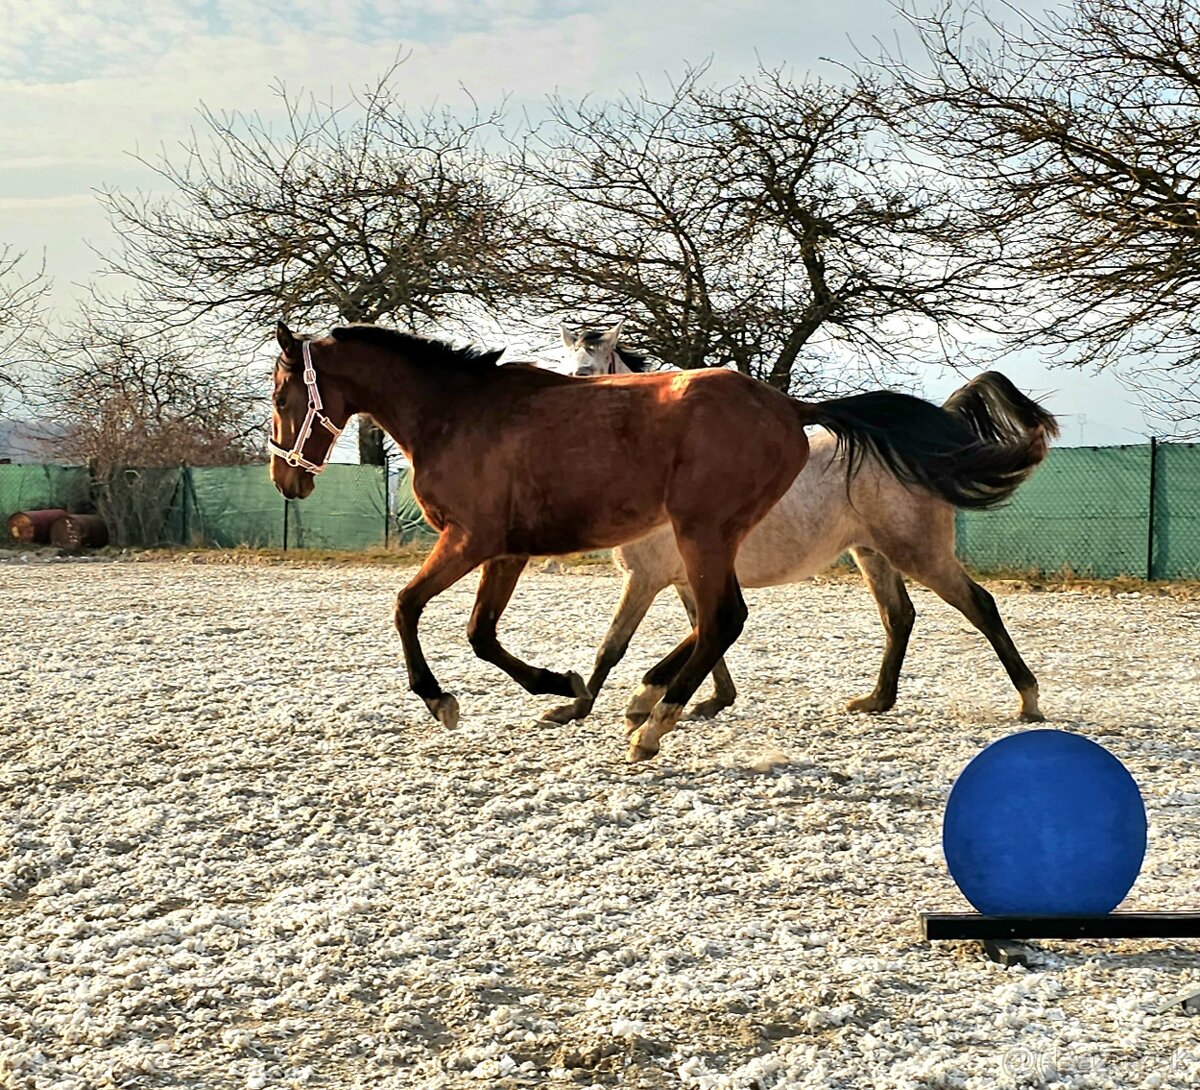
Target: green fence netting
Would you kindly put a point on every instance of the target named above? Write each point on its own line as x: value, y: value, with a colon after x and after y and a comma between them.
x: 1084, y: 508
x: 347, y: 510
x: 34, y: 488
x: 1103, y: 511
x: 228, y: 506
x: 410, y: 523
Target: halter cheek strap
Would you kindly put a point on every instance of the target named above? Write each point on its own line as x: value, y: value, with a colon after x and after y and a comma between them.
x: 295, y: 456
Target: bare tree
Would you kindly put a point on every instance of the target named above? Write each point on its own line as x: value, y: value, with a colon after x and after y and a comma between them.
x: 358, y: 213
x: 133, y: 407
x: 769, y: 225
x: 22, y: 295
x: 1081, y: 129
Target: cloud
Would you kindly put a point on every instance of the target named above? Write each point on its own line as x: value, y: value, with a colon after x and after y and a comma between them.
x: 89, y: 88
x: 43, y: 162
x: 34, y: 205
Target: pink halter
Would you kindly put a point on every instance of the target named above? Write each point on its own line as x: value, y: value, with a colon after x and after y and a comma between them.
x: 295, y: 457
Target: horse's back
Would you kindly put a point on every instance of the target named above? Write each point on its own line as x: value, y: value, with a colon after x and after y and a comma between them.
x: 566, y: 463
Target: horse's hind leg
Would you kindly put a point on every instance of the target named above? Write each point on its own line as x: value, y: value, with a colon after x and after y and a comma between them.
x: 449, y: 561
x: 946, y: 578
x: 724, y: 690
x: 637, y: 595
x: 496, y: 585
x: 720, y: 615
x: 897, y: 613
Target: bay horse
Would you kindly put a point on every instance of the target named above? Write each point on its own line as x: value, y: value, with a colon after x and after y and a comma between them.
x: 503, y: 468
x: 887, y: 528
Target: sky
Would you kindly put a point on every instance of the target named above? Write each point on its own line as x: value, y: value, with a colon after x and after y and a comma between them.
x: 87, y: 86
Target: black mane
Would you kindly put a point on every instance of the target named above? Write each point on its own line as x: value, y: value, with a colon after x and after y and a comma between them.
x: 635, y: 361
x: 421, y: 350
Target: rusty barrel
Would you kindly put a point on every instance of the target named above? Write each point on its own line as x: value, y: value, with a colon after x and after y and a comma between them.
x: 33, y: 527
x: 77, y: 532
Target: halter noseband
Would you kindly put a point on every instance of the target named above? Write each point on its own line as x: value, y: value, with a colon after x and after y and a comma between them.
x: 295, y: 456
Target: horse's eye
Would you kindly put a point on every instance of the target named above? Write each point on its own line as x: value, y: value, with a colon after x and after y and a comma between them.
x: 280, y: 400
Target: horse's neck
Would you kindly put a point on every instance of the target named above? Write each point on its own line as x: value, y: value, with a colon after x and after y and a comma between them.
x: 405, y: 400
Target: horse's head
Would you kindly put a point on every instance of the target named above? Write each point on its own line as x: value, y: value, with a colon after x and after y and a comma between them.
x: 597, y: 353
x: 308, y: 414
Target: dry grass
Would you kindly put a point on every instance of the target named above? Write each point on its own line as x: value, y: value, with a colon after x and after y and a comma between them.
x: 1013, y: 580
x: 405, y: 555
x: 391, y: 556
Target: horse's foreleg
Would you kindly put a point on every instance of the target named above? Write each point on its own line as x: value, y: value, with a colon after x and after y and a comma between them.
x: 724, y: 690
x: 449, y: 561
x: 897, y: 613
x: 637, y: 595
x: 496, y: 585
x: 655, y: 682
x: 720, y: 615
x: 950, y: 582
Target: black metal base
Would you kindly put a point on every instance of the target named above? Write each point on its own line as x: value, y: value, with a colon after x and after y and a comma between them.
x: 1115, y: 925
x: 1004, y: 938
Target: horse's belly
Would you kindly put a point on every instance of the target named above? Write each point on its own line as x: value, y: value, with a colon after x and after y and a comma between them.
x: 555, y: 539
x: 810, y: 527
x: 559, y: 527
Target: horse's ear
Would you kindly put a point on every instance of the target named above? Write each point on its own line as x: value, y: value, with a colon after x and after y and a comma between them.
x: 614, y: 334
x: 568, y: 338
x: 287, y: 341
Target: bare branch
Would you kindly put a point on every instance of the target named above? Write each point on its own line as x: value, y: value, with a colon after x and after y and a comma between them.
x: 22, y: 298
x: 362, y: 211
x: 766, y: 225
x: 1079, y: 131
x: 121, y: 397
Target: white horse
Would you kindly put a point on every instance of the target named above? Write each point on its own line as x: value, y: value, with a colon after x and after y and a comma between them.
x: 601, y: 353
x: 887, y: 527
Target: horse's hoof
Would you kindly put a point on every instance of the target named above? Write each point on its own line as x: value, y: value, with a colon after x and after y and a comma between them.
x: 444, y: 709
x: 1032, y: 717
x: 579, y: 687
x: 560, y: 716
x: 643, y: 702
x: 634, y: 720
x: 871, y: 705
x: 707, y: 709
x: 447, y: 714
x: 638, y: 753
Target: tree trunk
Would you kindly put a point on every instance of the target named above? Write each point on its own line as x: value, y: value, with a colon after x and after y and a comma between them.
x: 370, y: 443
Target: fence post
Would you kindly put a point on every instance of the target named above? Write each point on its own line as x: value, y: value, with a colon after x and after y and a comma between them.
x: 387, y: 503
x: 287, y: 504
x: 185, y: 490
x: 1153, y: 489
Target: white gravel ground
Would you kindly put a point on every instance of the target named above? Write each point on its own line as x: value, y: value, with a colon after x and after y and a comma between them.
x: 237, y: 853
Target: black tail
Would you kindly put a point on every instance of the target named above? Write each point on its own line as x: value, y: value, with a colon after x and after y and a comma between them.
x: 936, y: 449
x: 997, y: 411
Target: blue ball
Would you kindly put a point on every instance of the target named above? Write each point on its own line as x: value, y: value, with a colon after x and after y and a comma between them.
x: 1044, y: 823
